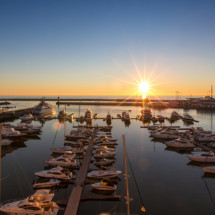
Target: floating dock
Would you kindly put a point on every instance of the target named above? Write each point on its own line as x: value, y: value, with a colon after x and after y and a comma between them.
x: 75, y: 197
x: 14, y: 114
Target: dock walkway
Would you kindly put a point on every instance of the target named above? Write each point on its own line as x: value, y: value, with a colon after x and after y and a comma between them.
x: 75, y: 197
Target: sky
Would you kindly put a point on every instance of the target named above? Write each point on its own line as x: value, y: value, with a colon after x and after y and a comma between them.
x: 106, y: 47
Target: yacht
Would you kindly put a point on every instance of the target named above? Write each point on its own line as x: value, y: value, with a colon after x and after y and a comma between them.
x: 26, y: 117
x: 206, y: 157
x: 89, y: 116
x: 57, y: 173
x: 37, y: 204
x: 180, y: 143
x: 47, y: 184
x: 6, y: 142
x: 187, y: 118
x: 43, y: 109
x: 108, y: 119
x: 174, y: 116
x: 209, y: 169
x: 104, y: 185
x: 126, y: 117
x: 103, y: 173
x: 146, y: 114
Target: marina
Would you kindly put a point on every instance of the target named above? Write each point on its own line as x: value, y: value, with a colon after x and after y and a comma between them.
x: 77, y: 196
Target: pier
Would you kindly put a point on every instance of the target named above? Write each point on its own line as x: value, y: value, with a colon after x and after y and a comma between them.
x: 9, y: 115
x: 75, y: 197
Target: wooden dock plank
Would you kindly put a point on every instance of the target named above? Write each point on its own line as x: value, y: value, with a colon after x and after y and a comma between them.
x: 75, y: 197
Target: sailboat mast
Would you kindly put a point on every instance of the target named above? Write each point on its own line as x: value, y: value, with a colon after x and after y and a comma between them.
x: 126, y: 177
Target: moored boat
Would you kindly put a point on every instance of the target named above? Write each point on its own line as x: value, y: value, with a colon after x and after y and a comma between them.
x: 104, y: 185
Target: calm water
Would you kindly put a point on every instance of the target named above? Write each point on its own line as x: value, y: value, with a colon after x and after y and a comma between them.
x: 168, y: 183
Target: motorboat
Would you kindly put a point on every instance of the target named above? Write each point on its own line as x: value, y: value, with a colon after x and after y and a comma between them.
x: 37, y: 204
x: 209, y: 169
x: 103, y: 162
x: 174, y: 116
x: 63, y: 150
x: 180, y: 143
x: 95, y: 115
x: 25, y: 126
x: 206, y: 157
x: 205, y: 137
x: 26, y: 117
x: 187, y: 118
x: 107, y: 143
x: 63, y: 161
x: 126, y: 117
x: 105, y: 154
x: 108, y: 119
x: 12, y: 133
x: 43, y: 109
x: 103, y: 173
x: 165, y: 135
x: 56, y: 173
x: 6, y: 142
x: 62, y: 114
x: 104, y: 185
x: 146, y: 114
x: 88, y: 116
x: 47, y: 184
x: 160, y: 118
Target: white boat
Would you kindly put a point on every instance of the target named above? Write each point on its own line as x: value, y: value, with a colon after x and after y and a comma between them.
x: 25, y: 126
x: 62, y: 114
x: 146, y: 114
x: 63, y: 150
x: 63, y: 162
x: 204, y: 137
x: 103, y: 161
x: 180, y: 143
x: 126, y: 117
x: 104, y: 185
x: 6, y: 142
x: 103, y: 173
x: 209, y: 169
x: 187, y: 117
x: 107, y: 144
x: 56, y: 173
x: 27, y: 116
x: 88, y: 115
x: 43, y: 109
x: 47, y: 184
x: 104, y: 149
x: 174, y: 116
x: 206, y: 157
x: 11, y: 133
x: 165, y: 135
x: 37, y: 204
x: 108, y: 118
x: 105, y: 154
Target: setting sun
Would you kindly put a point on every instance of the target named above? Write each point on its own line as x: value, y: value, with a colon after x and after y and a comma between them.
x: 144, y: 87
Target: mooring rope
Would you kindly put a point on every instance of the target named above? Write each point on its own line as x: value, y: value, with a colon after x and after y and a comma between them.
x: 55, y: 134
x: 143, y: 207
x: 211, y: 197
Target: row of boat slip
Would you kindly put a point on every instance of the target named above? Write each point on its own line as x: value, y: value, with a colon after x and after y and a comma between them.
x: 64, y: 159
x: 104, y: 156
x: 189, y: 140
x: 11, y: 133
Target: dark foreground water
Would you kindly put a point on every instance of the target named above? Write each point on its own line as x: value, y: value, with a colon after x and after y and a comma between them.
x: 167, y: 181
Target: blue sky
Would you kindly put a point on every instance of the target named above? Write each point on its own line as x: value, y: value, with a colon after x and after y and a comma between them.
x: 102, y: 47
